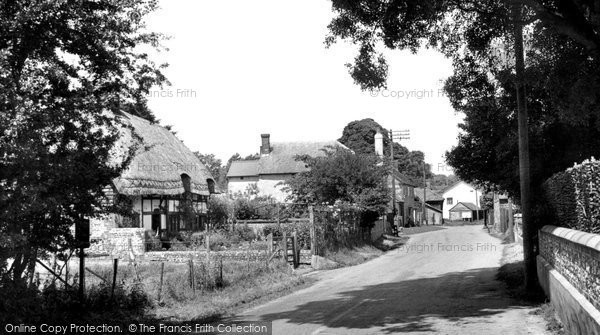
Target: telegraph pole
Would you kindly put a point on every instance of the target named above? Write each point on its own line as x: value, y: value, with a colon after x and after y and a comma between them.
x: 529, y: 230
x: 398, y: 135
x: 424, y: 218
x: 393, y: 164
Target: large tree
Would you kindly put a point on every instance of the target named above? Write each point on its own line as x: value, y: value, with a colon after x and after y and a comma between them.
x: 67, y: 71
x: 342, y: 176
x: 359, y: 136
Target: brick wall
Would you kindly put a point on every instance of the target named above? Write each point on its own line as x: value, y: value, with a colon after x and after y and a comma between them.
x: 576, y: 256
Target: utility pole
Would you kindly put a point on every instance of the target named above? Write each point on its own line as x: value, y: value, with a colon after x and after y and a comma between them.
x: 424, y: 218
x: 393, y: 175
x: 529, y: 230
x: 399, y: 135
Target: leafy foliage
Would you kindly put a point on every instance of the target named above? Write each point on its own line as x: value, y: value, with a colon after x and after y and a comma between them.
x: 67, y: 71
x: 342, y: 176
x: 360, y: 137
x: 562, y: 76
x: 219, y: 209
x: 574, y: 196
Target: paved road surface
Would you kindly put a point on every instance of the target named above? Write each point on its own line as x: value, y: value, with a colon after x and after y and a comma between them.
x: 440, y: 282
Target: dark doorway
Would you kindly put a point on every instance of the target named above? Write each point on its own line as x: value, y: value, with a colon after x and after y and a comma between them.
x: 156, y: 221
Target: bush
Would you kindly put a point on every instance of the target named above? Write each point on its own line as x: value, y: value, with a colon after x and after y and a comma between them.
x: 219, y: 241
x: 573, y: 196
x: 244, y: 233
x: 218, y: 211
x: 153, y: 242
x: 302, y: 232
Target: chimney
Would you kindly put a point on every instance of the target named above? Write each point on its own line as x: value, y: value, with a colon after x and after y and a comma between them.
x: 379, y: 144
x: 265, y: 147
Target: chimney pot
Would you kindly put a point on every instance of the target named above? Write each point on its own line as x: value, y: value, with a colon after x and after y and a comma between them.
x: 265, y: 147
x: 379, y: 144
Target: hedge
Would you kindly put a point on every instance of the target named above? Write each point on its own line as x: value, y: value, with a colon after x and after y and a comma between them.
x: 573, y: 196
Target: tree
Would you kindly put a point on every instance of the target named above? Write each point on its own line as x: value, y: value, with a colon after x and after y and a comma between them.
x: 441, y: 181
x: 67, y: 71
x: 466, y: 30
x: 215, y: 166
x: 360, y: 137
x: 346, y: 177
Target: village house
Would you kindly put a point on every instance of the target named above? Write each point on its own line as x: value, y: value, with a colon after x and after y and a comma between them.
x: 403, y: 201
x: 461, y: 192
x: 163, y: 191
x: 434, y: 205
x: 266, y: 176
x: 465, y: 211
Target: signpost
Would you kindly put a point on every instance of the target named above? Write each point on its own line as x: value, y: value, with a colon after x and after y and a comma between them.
x: 82, y: 237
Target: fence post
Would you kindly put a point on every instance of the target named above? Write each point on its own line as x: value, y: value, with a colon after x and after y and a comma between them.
x: 278, y: 216
x: 284, y: 247
x: 295, y: 249
x: 191, y: 271
x: 114, y: 280
x: 162, y: 273
x: 207, y: 249
x: 270, y: 243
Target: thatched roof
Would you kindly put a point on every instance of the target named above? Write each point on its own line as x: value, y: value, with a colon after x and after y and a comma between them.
x: 159, y: 162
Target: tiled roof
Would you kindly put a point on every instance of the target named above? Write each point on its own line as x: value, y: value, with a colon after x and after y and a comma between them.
x: 243, y: 168
x: 431, y: 195
x: 464, y: 206
x: 281, y: 159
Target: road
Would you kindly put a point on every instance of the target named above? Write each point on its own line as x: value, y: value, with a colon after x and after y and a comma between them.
x: 441, y: 282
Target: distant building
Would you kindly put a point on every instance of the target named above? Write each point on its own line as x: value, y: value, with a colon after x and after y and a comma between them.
x: 405, y: 205
x: 464, y: 211
x: 277, y: 163
x: 434, y: 204
x: 460, y: 192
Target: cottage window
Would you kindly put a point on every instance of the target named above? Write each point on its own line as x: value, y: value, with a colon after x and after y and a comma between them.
x: 449, y: 201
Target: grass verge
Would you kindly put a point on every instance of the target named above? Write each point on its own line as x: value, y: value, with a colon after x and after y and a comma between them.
x: 511, y: 272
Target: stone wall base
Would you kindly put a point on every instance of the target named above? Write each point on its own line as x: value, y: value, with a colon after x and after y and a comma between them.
x: 577, y: 314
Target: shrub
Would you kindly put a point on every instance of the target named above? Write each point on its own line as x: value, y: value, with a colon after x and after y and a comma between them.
x: 573, y: 196
x: 152, y: 242
x: 244, y: 233
x: 301, y: 228
x: 219, y: 241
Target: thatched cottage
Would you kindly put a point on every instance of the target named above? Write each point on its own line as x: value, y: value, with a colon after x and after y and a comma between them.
x: 165, y: 188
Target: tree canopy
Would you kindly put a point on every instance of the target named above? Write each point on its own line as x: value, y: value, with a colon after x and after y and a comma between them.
x: 562, y: 76
x: 67, y: 71
x: 360, y: 137
x: 342, y: 176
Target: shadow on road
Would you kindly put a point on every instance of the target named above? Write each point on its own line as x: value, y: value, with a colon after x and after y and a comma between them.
x: 409, y: 305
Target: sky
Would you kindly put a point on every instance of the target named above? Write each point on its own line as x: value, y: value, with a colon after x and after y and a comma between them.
x: 241, y: 68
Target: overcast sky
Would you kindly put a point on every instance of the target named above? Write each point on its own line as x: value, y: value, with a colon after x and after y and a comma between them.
x: 240, y: 68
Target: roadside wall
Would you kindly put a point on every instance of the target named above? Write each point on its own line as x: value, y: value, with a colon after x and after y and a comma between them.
x: 184, y: 256
x: 120, y: 243
x: 569, y: 272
